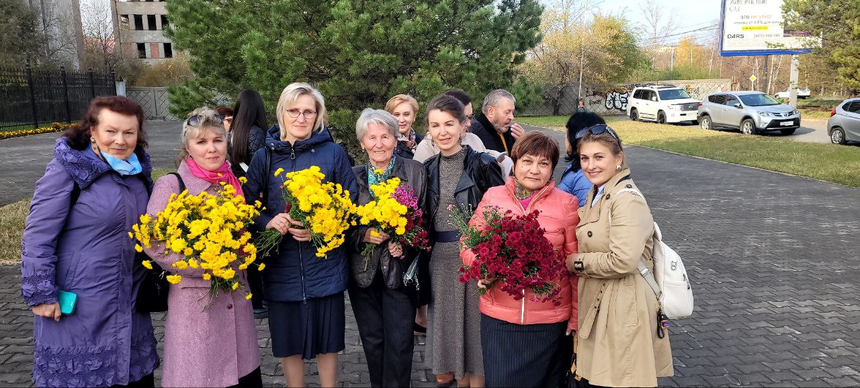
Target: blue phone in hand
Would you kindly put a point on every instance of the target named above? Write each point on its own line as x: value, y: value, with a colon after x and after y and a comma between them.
x: 67, y: 301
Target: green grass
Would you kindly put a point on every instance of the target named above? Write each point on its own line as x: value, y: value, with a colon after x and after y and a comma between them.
x: 12, y: 221
x: 828, y: 162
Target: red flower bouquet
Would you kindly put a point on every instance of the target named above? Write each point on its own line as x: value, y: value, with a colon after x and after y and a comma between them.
x: 513, y: 250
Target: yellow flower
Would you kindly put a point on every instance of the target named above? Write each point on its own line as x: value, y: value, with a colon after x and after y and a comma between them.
x: 248, y: 297
x: 174, y: 279
x: 130, y: 235
x: 279, y: 171
x: 235, y: 286
x: 192, y: 263
x: 138, y: 248
x: 188, y: 252
x: 147, y: 264
x: 207, y: 276
x: 180, y: 264
x: 374, y: 233
x: 261, y: 267
x: 243, y: 180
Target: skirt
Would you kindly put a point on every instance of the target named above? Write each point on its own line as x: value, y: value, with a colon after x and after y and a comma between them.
x: 308, y: 328
x: 536, y: 355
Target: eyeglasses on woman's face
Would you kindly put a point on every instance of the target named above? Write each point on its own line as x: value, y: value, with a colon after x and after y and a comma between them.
x: 307, y: 114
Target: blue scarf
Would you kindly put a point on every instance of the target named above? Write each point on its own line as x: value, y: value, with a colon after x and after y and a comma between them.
x: 374, y: 179
x: 129, y: 166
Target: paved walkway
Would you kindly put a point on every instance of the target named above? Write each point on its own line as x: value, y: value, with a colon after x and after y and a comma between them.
x: 774, y: 264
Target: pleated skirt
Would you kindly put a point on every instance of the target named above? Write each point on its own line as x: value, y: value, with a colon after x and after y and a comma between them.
x: 307, y: 328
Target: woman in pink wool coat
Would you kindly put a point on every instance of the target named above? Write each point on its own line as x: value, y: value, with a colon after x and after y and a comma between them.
x: 218, y: 347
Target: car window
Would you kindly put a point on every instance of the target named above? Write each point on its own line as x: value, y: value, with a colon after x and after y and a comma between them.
x: 637, y: 94
x: 731, y: 100
x: 717, y: 99
x: 758, y: 100
x: 673, y: 94
x: 652, y: 95
x: 853, y: 107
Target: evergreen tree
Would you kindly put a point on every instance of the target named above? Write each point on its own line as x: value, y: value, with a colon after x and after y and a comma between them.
x: 359, y: 53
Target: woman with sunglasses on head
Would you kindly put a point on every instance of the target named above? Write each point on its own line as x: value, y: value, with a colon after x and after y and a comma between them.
x: 621, y: 341
x: 457, y: 176
x: 214, y: 346
x: 573, y: 180
x: 76, y: 243
x: 304, y: 292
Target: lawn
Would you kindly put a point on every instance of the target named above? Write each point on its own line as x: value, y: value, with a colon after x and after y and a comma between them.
x: 828, y: 162
x: 13, y: 218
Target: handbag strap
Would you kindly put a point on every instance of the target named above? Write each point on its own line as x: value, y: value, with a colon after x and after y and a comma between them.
x: 181, y: 182
x: 646, y: 273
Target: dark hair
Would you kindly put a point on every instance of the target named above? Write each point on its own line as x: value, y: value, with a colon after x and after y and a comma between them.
x: 249, y: 112
x: 577, y: 122
x: 79, y: 135
x: 537, y: 144
x: 448, y: 104
x: 224, y: 111
x: 459, y: 94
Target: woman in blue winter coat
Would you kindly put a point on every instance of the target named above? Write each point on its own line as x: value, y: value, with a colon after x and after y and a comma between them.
x: 76, y: 240
x: 573, y: 181
x: 304, y: 292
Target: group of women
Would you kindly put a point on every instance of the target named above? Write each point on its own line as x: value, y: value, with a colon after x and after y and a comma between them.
x: 98, y: 184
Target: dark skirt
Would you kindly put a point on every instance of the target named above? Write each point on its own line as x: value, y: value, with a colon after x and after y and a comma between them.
x: 525, y: 355
x: 307, y: 328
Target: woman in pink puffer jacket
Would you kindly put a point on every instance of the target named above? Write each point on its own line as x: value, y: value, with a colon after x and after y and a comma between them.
x: 527, y: 343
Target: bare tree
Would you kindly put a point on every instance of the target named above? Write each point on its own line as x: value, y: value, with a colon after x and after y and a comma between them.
x: 658, y: 24
x: 100, y: 38
x: 61, y: 30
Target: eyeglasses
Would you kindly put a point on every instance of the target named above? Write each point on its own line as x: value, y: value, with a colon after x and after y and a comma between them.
x: 197, y: 119
x: 596, y: 130
x: 308, y: 114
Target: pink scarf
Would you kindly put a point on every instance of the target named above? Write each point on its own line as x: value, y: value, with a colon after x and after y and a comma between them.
x: 222, y: 174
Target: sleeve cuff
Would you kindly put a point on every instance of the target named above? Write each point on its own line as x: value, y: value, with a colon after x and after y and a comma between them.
x: 39, y: 288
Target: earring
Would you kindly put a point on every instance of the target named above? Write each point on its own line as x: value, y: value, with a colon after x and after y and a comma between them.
x: 618, y: 167
x: 92, y: 139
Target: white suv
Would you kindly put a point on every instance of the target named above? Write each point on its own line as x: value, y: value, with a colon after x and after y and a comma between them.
x: 662, y: 103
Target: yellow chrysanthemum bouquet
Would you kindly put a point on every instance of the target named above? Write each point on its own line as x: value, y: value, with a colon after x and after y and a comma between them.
x: 210, y: 231
x: 324, y: 209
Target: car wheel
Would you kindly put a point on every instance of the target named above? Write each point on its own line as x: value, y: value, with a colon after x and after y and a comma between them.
x: 748, y: 127
x: 705, y: 122
x: 634, y: 114
x: 787, y: 132
x: 661, y: 117
x: 837, y: 136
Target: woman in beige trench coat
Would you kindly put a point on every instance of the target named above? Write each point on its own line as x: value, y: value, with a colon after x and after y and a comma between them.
x: 618, y: 343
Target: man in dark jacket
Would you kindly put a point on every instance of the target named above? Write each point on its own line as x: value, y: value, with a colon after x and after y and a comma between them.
x: 495, y: 124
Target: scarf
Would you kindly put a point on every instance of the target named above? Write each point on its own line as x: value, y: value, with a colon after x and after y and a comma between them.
x: 409, y: 140
x: 374, y: 179
x: 130, y: 166
x: 222, y: 174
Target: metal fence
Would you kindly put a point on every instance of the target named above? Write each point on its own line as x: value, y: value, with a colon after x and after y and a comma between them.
x: 31, y: 98
x: 562, y: 100
x: 154, y: 100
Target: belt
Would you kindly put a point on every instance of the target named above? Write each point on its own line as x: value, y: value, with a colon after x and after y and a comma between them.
x: 446, y: 236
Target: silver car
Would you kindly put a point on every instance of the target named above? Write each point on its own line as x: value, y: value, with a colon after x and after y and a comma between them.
x: 844, y: 122
x: 751, y: 112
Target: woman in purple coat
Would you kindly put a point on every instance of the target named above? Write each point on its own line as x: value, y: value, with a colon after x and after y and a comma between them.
x: 76, y: 240
x: 217, y: 347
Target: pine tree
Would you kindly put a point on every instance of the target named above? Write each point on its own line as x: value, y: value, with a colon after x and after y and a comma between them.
x: 358, y: 53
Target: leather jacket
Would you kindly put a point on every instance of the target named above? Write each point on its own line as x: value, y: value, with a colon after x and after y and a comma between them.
x: 364, y: 271
x: 480, y: 172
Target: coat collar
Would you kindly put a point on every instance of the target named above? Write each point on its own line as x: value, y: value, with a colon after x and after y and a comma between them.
x: 592, y: 214
x: 85, y: 166
x: 193, y: 184
x: 511, y: 189
x: 273, y: 140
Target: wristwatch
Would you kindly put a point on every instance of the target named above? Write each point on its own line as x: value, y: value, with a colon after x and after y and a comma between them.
x: 578, y: 266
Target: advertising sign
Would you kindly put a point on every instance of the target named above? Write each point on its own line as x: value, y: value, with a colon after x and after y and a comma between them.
x: 755, y: 27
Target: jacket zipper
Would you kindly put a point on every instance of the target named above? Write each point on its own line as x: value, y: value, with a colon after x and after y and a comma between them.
x: 301, y: 259
x: 525, y: 211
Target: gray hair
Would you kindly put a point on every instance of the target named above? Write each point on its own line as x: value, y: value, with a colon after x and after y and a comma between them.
x: 495, y: 97
x: 209, y: 119
x: 375, y: 116
x: 292, y: 93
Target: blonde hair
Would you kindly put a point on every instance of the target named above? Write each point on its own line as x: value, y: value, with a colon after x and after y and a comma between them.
x: 292, y: 93
x: 399, y: 99
x: 210, y: 120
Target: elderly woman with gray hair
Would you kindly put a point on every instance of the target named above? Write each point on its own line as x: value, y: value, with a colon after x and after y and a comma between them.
x: 384, y: 306
x: 214, y: 346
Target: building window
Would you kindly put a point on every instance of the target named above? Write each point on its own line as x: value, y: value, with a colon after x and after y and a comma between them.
x: 141, y: 50
x: 138, y: 22
x: 168, y: 50
x: 164, y: 23
x: 150, y: 20
x: 123, y: 22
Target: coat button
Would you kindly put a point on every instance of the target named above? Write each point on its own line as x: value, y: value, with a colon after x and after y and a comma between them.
x: 229, y: 307
x: 589, y: 233
x: 629, y: 186
x: 607, y: 196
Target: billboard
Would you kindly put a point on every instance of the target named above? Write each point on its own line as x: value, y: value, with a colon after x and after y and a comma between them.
x: 755, y: 27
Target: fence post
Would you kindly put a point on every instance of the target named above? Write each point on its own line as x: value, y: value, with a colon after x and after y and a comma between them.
x: 113, y: 80
x: 32, y: 96
x: 92, y: 82
x: 66, y: 95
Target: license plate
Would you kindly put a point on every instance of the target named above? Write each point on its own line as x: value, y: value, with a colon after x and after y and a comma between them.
x: 787, y: 123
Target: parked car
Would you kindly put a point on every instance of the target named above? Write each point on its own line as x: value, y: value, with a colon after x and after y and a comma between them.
x: 750, y: 112
x: 844, y: 122
x: 661, y: 103
x: 801, y: 93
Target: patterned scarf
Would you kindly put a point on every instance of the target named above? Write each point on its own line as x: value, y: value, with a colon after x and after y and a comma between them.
x: 374, y: 178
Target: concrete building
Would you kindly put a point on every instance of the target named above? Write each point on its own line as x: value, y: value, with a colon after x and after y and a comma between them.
x: 141, y: 27
x: 61, y: 20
